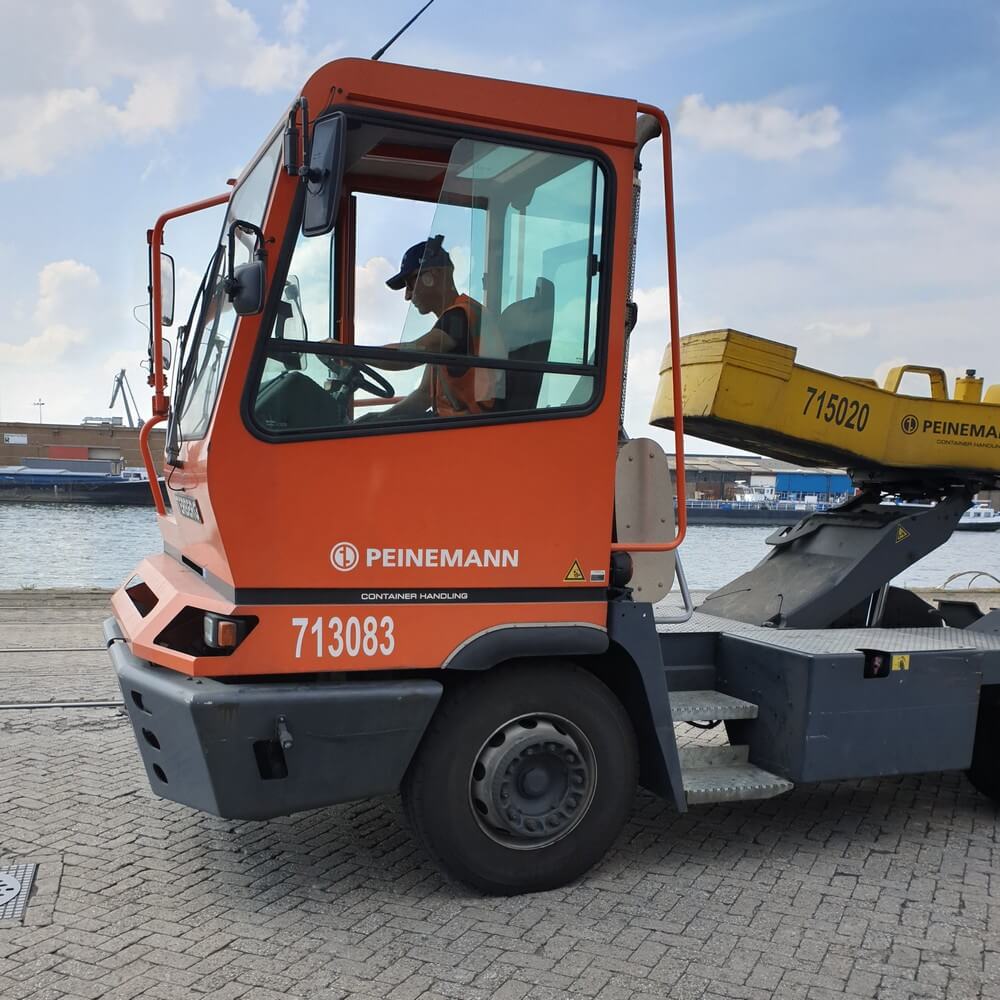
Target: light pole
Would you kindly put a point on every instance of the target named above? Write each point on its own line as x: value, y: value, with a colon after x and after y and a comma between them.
x: 38, y: 402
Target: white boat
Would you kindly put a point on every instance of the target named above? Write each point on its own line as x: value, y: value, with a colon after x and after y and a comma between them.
x: 980, y: 517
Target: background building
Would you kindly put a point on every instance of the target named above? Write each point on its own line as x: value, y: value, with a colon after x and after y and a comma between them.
x: 93, y: 441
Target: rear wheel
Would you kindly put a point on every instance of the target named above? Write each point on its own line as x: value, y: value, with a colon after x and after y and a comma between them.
x: 984, y: 772
x: 524, y: 778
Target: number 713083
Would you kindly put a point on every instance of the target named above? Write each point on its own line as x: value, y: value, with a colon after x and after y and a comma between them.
x: 352, y: 636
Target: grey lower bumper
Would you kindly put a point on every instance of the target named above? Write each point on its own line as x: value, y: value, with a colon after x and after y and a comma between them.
x: 249, y: 751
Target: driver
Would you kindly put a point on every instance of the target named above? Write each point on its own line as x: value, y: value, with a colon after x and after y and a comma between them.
x: 428, y: 277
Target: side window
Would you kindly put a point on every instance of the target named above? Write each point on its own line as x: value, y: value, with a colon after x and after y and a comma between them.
x: 214, y: 326
x: 481, y: 303
x: 551, y: 242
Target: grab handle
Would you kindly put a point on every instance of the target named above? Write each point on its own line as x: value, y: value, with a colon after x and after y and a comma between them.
x: 939, y: 384
x: 675, y: 351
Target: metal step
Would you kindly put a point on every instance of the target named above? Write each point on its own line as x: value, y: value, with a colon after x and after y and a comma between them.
x: 707, y: 706
x: 723, y: 774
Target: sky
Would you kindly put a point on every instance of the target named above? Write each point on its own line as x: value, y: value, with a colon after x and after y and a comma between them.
x: 836, y: 165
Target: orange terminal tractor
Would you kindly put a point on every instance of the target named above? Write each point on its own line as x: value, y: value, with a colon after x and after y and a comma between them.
x: 409, y: 545
x: 388, y: 555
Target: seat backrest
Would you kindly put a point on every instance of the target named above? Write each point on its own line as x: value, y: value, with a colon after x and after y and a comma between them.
x: 527, y: 333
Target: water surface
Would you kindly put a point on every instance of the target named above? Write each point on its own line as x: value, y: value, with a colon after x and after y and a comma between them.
x: 75, y: 545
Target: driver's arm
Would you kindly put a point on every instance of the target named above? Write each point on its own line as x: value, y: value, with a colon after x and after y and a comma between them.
x: 436, y: 341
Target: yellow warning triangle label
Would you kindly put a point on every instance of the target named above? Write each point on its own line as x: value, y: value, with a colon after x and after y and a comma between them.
x: 575, y: 574
x: 901, y: 534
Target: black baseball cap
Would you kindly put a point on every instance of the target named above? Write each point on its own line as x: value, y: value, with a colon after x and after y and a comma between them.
x: 427, y: 253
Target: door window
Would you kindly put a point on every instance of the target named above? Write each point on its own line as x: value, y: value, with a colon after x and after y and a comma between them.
x: 477, y: 303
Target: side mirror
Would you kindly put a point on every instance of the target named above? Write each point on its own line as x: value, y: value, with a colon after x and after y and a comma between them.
x: 166, y: 289
x: 246, y: 288
x: 245, y: 283
x: 168, y: 353
x: 323, y: 176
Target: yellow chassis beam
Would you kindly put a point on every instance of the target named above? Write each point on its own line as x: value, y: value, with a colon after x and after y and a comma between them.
x: 748, y: 392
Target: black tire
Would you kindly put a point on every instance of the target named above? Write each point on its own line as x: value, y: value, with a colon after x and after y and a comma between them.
x: 440, y: 787
x: 984, y: 772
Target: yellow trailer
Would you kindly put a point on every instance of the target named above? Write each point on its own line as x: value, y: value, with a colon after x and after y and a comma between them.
x: 748, y: 392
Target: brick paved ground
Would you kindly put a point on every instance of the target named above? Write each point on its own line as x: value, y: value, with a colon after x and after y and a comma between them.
x: 885, y: 889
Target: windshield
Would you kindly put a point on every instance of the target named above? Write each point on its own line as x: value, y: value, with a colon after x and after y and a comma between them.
x: 502, y: 273
x: 207, y: 344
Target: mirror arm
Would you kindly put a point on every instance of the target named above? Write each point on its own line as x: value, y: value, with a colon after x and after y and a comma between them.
x: 154, y: 237
x: 293, y: 165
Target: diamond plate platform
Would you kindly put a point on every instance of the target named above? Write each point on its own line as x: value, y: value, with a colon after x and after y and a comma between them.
x: 707, y: 706
x: 842, y: 640
x: 15, y: 889
x: 731, y: 782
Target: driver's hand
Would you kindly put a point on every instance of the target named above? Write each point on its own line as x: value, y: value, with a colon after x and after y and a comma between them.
x: 333, y: 363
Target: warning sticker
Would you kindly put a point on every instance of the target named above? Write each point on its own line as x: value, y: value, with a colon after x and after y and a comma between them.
x: 901, y: 534
x: 901, y: 661
x: 575, y: 574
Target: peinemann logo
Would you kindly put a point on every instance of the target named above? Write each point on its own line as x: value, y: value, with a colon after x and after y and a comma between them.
x: 344, y: 556
x: 909, y: 424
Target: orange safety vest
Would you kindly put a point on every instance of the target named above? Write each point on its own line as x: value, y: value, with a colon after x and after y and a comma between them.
x: 468, y: 392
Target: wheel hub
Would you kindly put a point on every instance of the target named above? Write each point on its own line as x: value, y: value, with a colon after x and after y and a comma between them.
x: 533, y: 781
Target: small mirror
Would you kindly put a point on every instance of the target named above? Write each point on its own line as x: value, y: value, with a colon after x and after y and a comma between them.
x: 245, y: 283
x: 246, y: 289
x: 166, y: 289
x: 326, y: 167
x: 168, y: 352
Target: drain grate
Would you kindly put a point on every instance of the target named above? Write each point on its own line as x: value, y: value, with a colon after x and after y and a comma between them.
x: 15, y: 888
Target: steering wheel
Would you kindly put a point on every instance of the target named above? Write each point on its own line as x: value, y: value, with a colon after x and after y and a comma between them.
x: 357, y: 375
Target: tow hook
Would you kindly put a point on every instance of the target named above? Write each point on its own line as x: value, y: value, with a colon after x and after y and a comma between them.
x: 284, y: 734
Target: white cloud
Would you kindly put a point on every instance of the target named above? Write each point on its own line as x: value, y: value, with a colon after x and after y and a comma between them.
x: 148, y: 11
x: 58, y: 124
x: 67, y: 290
x: 293, y: 16
x: 126, y: 70
x: 73, y: 341
x: 759, y: 130
x: 826, y: 331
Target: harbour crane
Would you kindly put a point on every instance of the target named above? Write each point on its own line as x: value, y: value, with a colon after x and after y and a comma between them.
x: 122, y: 388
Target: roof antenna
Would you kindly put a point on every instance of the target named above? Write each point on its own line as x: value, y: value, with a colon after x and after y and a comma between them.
x: 381, y: 51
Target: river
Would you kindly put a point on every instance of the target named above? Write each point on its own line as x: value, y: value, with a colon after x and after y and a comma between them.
x: 74, y: 545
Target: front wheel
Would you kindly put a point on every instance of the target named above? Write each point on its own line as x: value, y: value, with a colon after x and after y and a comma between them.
x: 524, y: 778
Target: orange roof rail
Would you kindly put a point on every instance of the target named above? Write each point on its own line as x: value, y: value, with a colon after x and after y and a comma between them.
x: 157, y: 379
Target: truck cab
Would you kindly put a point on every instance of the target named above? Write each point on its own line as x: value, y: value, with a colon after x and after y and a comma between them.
x: 385, y: 470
